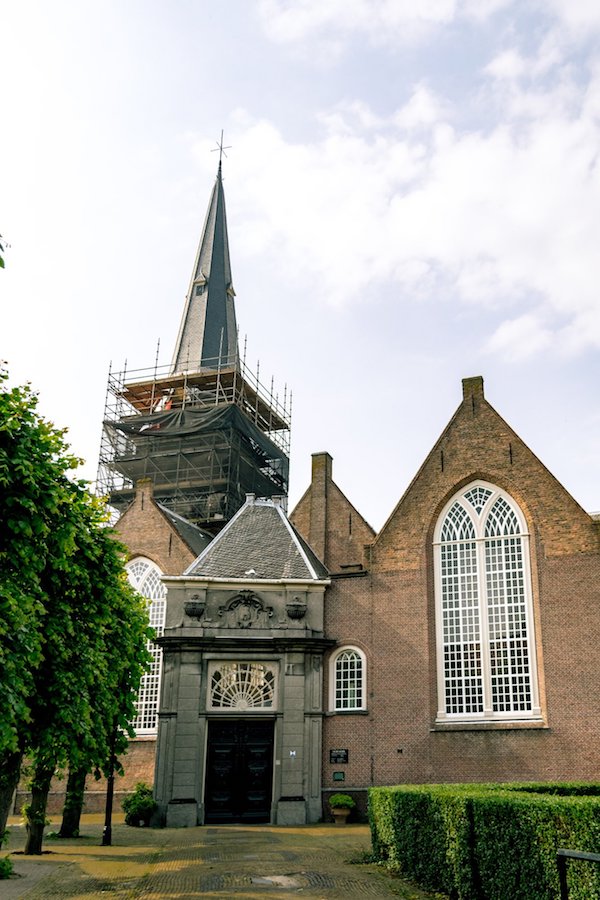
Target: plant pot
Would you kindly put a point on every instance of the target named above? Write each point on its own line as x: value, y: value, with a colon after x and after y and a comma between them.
x: 340, y: 814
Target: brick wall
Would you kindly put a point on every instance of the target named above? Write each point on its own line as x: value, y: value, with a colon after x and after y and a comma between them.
x: 333, y: 527
x: 147, y: 532
x: 389, y: 614
x: 138, y: 764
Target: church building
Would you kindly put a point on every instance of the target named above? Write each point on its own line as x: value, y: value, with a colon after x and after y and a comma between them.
x: 303, y: 655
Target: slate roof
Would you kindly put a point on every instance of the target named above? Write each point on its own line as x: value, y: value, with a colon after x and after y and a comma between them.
x: 208, y: 331
x: 196, y: 539
x: 259, y: 543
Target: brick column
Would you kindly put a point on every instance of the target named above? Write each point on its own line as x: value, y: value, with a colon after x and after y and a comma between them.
x: 321, y: 477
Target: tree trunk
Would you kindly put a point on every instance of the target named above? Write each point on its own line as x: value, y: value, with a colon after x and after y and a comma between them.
x: 110, y: 789
x: 35, y: 812
x: 73, y: 803
x: 10, y: 770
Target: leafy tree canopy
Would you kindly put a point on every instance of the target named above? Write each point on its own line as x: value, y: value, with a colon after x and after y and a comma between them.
x: 34, y: 492
x: 73, y: 631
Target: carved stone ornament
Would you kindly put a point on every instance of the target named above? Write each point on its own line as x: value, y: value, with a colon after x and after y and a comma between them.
x: 194, y: 608
x: 246, y: 610
x: 296, y: 608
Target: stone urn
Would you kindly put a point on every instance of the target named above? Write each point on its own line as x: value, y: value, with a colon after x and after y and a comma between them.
x: 296, y: 608
x: 340, y: 815
x: 194, y: 608
x: 341, y: 805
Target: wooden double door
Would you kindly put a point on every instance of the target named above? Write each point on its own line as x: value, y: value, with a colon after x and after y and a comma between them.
x: 239, y: 771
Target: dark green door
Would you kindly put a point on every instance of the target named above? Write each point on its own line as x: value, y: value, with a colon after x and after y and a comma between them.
x: 239, y: 772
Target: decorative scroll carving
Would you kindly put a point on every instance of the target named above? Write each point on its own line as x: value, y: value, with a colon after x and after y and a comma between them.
x: 246, y: 610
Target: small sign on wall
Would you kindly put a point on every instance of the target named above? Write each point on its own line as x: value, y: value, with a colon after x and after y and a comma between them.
x: 339, y: 776
x: 338, y: 757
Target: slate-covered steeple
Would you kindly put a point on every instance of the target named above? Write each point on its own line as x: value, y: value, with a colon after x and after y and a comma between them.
x: 208, y: 332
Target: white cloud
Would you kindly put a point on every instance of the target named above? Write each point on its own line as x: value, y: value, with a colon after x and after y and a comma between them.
x: 295, y: 21
x: 505, y: 219
x: 347, y: 116
x: 423, y: 109
x: 578, y: 15
x: 520, y: 338
x: 508, y: 65
x: 479, y: 10
x: 534, y: 87
x: 322, y: 29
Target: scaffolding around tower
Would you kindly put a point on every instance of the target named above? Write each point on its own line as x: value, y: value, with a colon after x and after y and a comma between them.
x: 205, y: 438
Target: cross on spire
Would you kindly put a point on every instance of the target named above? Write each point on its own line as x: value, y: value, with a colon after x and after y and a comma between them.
x: 221, y: 149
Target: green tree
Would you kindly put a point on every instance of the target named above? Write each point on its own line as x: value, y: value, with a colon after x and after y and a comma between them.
x: 34, y: 463
x: 73, y: 805
x: 124, y: 633
x: 94, y: 655
x: 112, y: 703
x: 72, y: 629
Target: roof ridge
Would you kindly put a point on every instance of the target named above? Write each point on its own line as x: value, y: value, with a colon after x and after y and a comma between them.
x: 295, y: 537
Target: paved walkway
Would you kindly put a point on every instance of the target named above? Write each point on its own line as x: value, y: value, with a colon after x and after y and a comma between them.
x: 174, y: 864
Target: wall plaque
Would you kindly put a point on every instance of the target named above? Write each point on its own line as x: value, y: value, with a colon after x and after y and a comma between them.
x: 338, y: 756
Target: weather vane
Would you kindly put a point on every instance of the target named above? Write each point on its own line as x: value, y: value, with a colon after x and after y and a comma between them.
x: 221, y: 148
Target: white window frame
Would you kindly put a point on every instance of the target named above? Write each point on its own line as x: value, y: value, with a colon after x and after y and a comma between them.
x: 146, y: 720
x: 333, y: 680
x: 487, y: 714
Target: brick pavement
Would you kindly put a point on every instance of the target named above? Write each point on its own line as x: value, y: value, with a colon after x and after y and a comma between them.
x: 175, y: 864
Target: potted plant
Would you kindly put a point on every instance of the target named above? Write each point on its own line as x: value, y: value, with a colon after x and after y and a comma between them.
x: 341, y: 806
x: 139, y: 806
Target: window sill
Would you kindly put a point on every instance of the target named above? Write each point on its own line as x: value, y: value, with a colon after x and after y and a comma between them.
x: 497, y: 725
x: 347, y: 712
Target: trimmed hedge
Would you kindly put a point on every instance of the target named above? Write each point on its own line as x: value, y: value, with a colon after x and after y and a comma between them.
x: 489, y: 841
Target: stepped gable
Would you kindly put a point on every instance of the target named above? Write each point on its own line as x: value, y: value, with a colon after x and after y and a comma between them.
x: 259, y: 543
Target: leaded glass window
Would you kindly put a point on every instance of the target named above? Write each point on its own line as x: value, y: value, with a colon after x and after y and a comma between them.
x: 486, y: 654
x: 348, y: 680
x: 242, y: 686
x: 144, y: 575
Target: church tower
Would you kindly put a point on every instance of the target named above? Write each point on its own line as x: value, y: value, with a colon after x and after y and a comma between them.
x: 204, y: 430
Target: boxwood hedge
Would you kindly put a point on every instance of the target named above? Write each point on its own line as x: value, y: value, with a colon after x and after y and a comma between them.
x: 489, y: 841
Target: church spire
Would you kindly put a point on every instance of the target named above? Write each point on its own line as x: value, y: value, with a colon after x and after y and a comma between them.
x: 208, y: 332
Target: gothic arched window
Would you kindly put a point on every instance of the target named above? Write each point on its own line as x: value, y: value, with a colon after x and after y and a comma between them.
x: 484, y: 617
x: 144, y: 575
x: 348, y: 677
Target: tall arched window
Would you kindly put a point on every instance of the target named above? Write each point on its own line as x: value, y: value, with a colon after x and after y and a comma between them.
x: 144, y: 575
x: 484, y: 617
x: 348, y: 680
